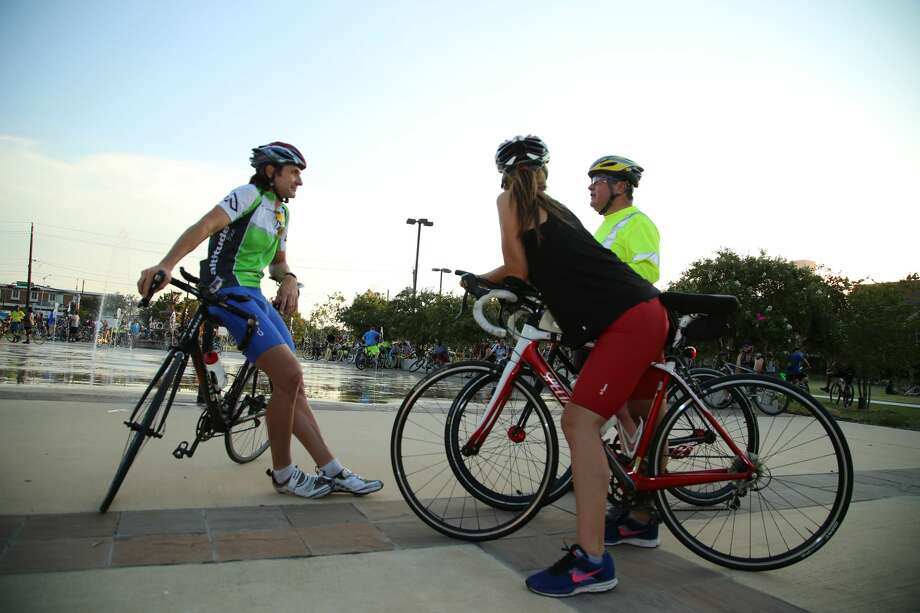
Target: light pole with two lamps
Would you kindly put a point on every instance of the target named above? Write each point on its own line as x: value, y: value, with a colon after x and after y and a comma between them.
x: 421, y: 222
x: 442, y: 271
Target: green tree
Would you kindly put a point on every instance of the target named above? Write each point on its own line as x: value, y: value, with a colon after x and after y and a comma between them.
x: 324, y: 319
x: 781, y: 303
x: 366, y: 310
x: 881, y: 331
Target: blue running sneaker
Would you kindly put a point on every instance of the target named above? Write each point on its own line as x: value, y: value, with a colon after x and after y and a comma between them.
x: 627, y: 530
x: 574, y: 574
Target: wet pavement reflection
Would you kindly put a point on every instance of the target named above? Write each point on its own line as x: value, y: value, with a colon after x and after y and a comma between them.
x: 57, y: 364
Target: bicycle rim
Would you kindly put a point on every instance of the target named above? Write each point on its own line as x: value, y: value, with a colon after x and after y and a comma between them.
x: 563, y: 481
x: 136, y: 438
x: 474, y: 471
x: 427, y: 469
x: 696, y: 444
x: 247, y: 438
x: 793, y: 505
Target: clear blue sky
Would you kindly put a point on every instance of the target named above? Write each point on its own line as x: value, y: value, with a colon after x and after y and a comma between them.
x: 788, y: 126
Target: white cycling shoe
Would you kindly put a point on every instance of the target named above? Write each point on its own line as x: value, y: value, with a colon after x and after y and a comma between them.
x: 347, y: 481
x: 303, y: 485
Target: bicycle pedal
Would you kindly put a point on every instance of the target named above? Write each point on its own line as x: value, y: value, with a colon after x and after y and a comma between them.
x: 181, y: 451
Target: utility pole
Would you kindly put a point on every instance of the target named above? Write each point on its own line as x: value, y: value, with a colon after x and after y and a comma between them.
x: 29, y: 282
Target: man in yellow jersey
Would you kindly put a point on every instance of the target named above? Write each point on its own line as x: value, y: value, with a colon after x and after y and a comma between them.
x: 626, y: 230
x: 16, y: 318
x: 633, y: 237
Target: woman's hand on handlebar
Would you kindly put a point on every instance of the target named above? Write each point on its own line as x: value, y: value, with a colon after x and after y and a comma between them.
x: 146, y: 279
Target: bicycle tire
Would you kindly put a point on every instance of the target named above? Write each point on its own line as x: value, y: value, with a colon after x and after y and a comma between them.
x: 835, y: 394
x: 137, y: 437
x: 812, y: 503
x: 484, y: 385
x: 247, y: 437
x: 416, y: 364
x: 847, y: 395
x: 427, y: 480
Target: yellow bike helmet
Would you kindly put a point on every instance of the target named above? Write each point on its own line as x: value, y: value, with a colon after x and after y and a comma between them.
x: 617, y: 167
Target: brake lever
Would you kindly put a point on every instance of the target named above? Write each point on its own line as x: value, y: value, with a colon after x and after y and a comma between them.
x: 157, y: 279
x: 463, y: 306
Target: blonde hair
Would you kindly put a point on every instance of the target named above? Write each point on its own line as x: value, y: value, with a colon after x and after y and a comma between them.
x: 527, y: 186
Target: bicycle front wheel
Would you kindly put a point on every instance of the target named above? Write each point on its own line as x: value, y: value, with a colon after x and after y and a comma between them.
x: 141, y: 430
x: 247, y: 437
x: 480, y: 495
x: 792, y: 504
x: 835, y: 394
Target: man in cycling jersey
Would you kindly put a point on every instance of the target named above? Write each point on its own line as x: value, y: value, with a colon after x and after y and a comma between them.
x: 248, y: 231
x: 626, y: 230
x: 440, y: 355
x: 371, y: 337
x: 798, y: 364
x: 16, y: 318
x: 632, y: 236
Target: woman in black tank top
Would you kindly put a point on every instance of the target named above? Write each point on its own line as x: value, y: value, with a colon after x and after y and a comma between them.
x: 592, y: 295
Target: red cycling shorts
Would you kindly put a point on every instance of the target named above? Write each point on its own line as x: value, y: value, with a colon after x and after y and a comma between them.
x: 617, y: 369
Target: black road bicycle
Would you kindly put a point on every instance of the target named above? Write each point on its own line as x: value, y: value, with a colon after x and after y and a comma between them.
x: 236, y: 414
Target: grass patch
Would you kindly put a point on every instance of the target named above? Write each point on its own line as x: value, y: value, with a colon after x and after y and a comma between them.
x: 877, y: 415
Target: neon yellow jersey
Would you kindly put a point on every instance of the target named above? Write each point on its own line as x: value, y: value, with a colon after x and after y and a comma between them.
x: 16, y: 316
x: 633, y: 237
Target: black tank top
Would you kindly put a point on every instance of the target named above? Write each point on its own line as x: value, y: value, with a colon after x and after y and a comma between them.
x: 586, y: 286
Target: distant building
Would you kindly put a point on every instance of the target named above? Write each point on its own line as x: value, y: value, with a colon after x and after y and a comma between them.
x: 806, y: 264
x: 43, y: 298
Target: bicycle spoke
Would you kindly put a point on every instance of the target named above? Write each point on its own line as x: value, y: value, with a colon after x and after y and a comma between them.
x: 774, y: 519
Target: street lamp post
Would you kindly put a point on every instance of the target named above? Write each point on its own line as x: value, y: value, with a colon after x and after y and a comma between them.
x: 421, y: 222
x: 441, y: 281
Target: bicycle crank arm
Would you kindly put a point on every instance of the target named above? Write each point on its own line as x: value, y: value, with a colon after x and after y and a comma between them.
x: 618, y: 472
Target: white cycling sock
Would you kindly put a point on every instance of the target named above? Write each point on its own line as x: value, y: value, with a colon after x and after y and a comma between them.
x: 281, y: 475
x: 333, y: 468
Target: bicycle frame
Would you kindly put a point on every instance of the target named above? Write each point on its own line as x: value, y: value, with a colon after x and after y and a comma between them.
x: 187, y: 347
x: 526, y: 353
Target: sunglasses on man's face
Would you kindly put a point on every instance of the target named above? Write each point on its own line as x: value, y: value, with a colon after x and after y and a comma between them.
x: 603, y: 179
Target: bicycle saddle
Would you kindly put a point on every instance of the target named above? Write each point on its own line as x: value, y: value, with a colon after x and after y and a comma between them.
x: 702, y: 304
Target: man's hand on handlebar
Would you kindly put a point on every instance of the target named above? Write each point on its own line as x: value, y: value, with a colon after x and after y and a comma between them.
x: 286, y: 298
x: 144, y: 283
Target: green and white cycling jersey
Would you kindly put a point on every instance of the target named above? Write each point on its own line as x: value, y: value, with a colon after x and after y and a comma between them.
x: 239, y: 253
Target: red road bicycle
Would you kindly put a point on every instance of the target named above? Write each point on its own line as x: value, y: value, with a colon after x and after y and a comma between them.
x: 476, y: 454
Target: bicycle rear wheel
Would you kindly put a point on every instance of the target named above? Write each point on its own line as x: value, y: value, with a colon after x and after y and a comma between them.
x: 793, y: 504
x: 247, y: 437
x: 694, y: 442
x: 168, y: 383
x: 847, y: 395
x: 480, y: 496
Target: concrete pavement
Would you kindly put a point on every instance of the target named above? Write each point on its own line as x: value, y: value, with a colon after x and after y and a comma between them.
x: 205, y: 534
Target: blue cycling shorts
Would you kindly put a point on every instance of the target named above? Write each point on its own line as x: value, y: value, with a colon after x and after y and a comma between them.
x: 270, y: 330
